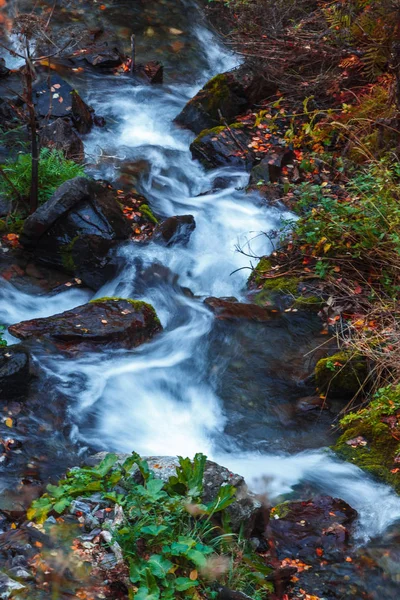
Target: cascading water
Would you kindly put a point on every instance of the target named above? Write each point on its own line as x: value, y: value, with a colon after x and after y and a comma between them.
x: 163, y: 397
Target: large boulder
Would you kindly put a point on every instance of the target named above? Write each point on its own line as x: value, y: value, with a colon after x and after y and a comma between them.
x: 60, y: 135
x: 227, y: 95
x: 245, y: 513
x: 175, y: 230
x: 15, y: 373
x: 103, y: 323
x: 80, y: 223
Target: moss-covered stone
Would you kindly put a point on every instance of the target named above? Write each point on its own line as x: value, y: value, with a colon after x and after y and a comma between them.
x: 137, y: 304
x: 341, y: 375
x: 311, y: 303
x: 377, y: 456
x: 206, y: 132
x: 215, y: 93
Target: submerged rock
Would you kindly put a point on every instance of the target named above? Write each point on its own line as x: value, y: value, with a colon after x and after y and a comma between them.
x: 175, y: 230
x: 81, y: 222
x: 14, y: 373
x: 103, y: 323
x: 227, y: 95
x: 312, y: 529
x: 61, y: 136
x: 225, y: 308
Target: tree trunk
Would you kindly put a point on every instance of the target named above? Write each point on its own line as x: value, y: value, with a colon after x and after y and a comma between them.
x: 29, y: 77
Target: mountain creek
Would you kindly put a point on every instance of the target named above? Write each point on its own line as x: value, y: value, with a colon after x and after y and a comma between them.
x: 196, y: 377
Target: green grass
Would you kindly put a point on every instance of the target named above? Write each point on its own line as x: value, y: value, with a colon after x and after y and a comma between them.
x: 54, y: 169
x: 170, y: 540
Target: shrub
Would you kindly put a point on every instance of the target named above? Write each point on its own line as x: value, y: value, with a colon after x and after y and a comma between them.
x: 169, y: 537
x: 54, y: 169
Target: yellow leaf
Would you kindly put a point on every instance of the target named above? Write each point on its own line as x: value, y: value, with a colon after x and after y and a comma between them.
x: 9, y: 422
x: 327, y: 247
x: 193, y: 575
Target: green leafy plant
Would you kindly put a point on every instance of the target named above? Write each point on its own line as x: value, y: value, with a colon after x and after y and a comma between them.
x: 3, y: 342
x: 169, y: 537
x: 54, y: 169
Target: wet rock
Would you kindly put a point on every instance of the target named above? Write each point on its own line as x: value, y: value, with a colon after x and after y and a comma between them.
x: 228, y: 94
x: 152, y: 72
x: 3, y: 69
x: 225, y: 593
x: 92, y: 260
x: 15, y: 374
x: 244, y: 513
x: 9, y: 587
x: 312, y: 529
x: 222, y: 147
x: 56, y: 98
x: 81, y: 219
x: 61, y: 136
x: 175, y: 230
x: 225, y: 308
x: 311, y: 403
x: 270, y: 167
x: 105, y: 58
x: 104, y: 323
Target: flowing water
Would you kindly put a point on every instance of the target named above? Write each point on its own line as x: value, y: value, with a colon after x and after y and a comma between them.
x: 202, y: 385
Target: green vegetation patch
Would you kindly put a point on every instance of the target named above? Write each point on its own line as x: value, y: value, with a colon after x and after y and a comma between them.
x: 369, y: 436
x: 54, y: 169
x: 169, y: 538
x: 341, y: 375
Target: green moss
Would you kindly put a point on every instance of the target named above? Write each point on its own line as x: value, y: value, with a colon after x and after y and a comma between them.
x: 263, y: 267
x: 215, y: 92
x: 280, y: 511
x: 377, y: 456
x: 148, y: 213
x: 237, y: 125
x: 137, y: 304
x: 66, y: 256
x: 206, y: 132
x: 308, y: 302
x: 341, y: 375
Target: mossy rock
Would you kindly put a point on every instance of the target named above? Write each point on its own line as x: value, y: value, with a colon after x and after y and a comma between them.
x: 310, y: 303
x: 223, y: 95
x: 377, y: 456
x: 341, y: 375
x: 272, y: 288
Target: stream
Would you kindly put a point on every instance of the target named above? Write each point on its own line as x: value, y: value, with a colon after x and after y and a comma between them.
x: 203, y: 385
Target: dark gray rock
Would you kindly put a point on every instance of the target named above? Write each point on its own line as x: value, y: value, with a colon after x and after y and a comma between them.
x: 175, y: 230
x: 61, y: 136
x: 55, y: 98
x: 15, y: 373
x: 9, y: 587
x: 76, y: 229
x: 3, y: 69
x: 104, y: 323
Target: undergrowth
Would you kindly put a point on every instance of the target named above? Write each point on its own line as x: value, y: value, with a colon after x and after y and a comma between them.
x: 54, y: 169
x: 172, y: 542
